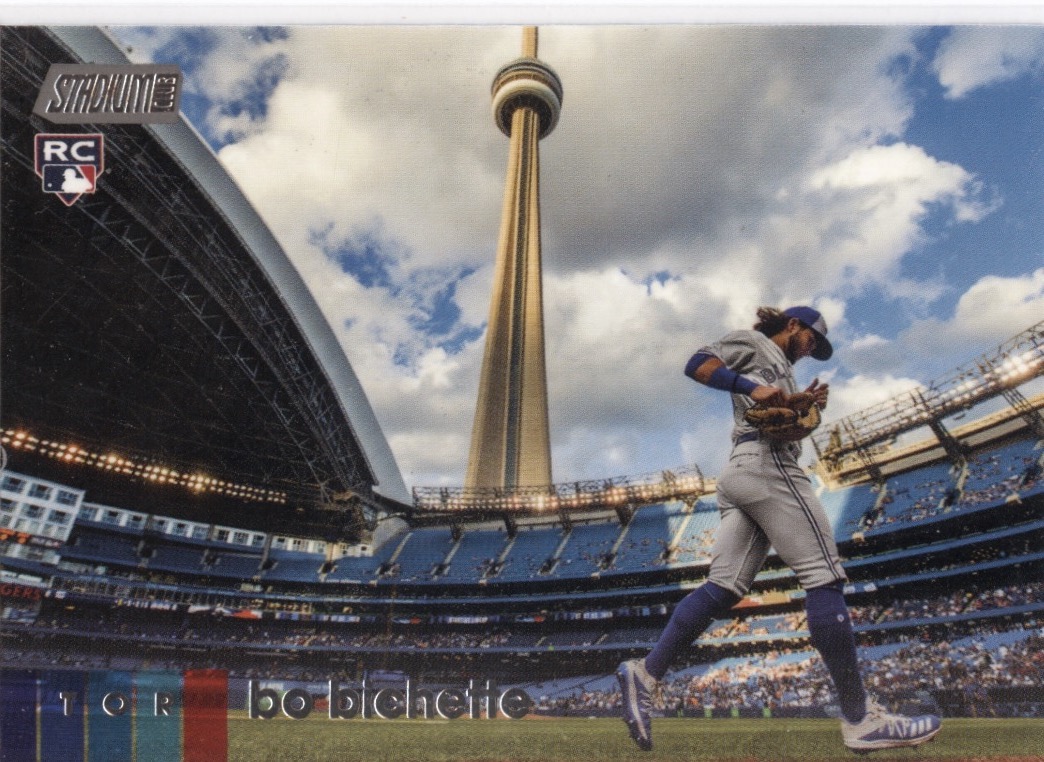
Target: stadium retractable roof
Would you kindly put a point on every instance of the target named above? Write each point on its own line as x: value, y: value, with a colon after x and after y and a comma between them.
x: 158, y: 319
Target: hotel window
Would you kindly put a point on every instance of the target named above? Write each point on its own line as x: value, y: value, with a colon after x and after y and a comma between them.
x: 65, y: 497
x: 13, y: 483
x: 41, y: 491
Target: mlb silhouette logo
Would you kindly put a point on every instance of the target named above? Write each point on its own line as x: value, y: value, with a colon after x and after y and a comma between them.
x: 69, y: 165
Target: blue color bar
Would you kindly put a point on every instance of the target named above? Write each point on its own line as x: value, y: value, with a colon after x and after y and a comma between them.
x: 62, y: 699
x: 109, y: 715
x: 17, y: 715
x: 157, y: 729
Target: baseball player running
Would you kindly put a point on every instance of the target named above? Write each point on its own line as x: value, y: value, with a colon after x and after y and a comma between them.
x: 767, y: 501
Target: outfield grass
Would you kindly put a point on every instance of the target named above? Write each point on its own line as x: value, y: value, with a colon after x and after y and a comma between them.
x: 604, y: 740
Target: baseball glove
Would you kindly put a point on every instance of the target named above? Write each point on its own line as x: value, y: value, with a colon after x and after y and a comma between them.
x: 794, y: 419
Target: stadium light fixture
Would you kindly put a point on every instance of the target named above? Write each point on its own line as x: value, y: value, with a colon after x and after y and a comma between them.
x: 1018, y: 360
x: 73, y: 453
x: 601, y: 494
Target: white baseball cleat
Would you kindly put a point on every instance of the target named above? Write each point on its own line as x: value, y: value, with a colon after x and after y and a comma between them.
x: 636, y: 688
x: 880, y: 729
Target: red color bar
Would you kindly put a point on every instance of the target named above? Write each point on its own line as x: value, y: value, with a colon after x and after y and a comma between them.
x: 205, y: 715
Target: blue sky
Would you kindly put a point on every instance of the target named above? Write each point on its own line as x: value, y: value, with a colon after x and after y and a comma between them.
x: 891, y: 176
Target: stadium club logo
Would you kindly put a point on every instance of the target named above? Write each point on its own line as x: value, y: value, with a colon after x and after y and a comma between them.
x: 69, y: 165
x: 92, y: 94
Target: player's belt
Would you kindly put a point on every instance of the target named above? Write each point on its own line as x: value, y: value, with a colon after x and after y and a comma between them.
x: 753, y: 436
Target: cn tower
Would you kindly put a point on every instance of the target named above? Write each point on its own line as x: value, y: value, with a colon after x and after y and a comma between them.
x: 510, y: 440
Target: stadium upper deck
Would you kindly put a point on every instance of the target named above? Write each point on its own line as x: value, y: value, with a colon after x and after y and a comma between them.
x: 930, y: 510
x: 158, y: 344
x: 935, y: 550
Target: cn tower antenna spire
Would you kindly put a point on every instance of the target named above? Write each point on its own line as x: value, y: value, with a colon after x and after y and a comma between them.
x: 529, y: 42
x: 510, y: 439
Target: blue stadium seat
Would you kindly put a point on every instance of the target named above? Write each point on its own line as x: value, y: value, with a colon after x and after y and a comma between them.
x: 477, y: 550
x: 587, y: 549
x: 849, y: 508
x: 234, y: 565
x: 108, y: 548
x: 531, y: 548
x: 916, y: 495
x: 424, y: 550
x: 997, y: 473
x: 293, y: 566
x: 176, y: 558
x: 648, y: 536
x: 694, y: 546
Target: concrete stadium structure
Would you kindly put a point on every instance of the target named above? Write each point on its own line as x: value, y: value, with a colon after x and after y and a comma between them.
x: 156, y: 333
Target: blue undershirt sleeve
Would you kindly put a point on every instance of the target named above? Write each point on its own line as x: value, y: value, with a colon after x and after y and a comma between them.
x: 722, y: 378
x: 696, y: 361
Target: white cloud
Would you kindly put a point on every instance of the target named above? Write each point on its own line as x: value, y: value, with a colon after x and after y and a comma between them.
x: 383, y: 126
x: 990, y: 312
x: 976, y: 56
x: 993, y: 310
x: 859, y: 392
x: 225, y: 65
x: 671, y: 138
x: 1000, y: 307
x: 865, y: 212
x: 747, y: 163
x: 870, y: 341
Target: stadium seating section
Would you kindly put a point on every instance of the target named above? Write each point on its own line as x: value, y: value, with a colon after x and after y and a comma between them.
x: 936, y: 549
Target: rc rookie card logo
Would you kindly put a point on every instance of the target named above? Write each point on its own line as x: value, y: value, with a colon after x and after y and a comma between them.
x: 69, y: 165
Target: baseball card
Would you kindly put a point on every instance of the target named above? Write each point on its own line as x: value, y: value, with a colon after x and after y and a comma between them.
x: 517, y: 383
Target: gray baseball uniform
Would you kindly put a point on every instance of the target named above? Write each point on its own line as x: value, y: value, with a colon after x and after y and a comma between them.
x: 765, y: 498
x: 766, y: 501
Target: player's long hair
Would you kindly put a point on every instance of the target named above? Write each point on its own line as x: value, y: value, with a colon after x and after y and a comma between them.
x: 770, y: 321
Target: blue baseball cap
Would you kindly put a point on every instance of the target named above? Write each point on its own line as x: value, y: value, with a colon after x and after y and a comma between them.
x: 814, y: 320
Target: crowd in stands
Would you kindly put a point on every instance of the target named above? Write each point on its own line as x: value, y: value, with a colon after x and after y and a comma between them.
x: 991, y: 493
x: 695, y: 549
x: 218, y: 627
x: 958, y: 602
x: 786, y: 676
x: 933, y: 497
x: 643, y: 545
x: 781, y: 679
x: 1000, y: 477
x: 990, y: 478
x: 795, y: 680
